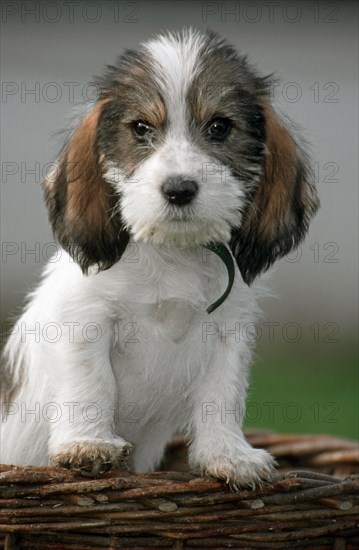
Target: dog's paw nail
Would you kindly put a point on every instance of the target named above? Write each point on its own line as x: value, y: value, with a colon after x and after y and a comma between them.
x: 127, y: 450
x: 65, y: 464
x: 105, y: 467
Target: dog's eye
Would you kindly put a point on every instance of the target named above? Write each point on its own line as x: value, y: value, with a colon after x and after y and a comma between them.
x: 218, y: 129
x: 142, y: 129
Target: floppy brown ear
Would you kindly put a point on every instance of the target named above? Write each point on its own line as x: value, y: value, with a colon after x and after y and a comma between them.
x: 83, y: 207
x: 279, y: 209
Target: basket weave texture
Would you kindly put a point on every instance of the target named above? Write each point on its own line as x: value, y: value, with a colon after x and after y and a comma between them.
x: 314, y: 506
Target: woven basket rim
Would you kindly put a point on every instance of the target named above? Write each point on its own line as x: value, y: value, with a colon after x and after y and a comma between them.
x: 311, y: 507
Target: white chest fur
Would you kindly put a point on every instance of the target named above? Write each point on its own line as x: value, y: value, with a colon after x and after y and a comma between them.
x: 136, y: 344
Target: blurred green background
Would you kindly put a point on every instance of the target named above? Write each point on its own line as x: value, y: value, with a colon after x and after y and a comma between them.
x: 303, y: 389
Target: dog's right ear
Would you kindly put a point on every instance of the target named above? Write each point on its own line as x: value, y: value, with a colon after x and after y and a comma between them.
x: 84, y: 209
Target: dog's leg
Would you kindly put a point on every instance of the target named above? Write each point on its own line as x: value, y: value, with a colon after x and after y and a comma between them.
x: 218, y: 445
x: 83, y: 437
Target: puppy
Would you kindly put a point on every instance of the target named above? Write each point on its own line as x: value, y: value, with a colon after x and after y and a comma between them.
x: 178, y: 187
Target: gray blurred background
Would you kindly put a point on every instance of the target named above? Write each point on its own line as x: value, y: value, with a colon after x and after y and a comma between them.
x: 51, y: 50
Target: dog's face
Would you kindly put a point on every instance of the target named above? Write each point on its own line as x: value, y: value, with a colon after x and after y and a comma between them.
x: 187, y: 145
x: 182, y: 148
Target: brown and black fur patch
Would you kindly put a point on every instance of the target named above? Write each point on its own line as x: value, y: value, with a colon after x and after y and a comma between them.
x: 280, y: 207
x: 83, y: 208
x: 131, y: 95
x: 226, y: 86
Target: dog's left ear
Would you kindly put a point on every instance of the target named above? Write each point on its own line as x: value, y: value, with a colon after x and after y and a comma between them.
x: 279, y: 209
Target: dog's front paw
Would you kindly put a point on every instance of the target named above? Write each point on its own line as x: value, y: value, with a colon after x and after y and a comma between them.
x: 249, y: 469
x: 92, y: 457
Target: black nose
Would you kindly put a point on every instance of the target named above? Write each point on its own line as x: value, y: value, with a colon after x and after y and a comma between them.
x: 179, y: 190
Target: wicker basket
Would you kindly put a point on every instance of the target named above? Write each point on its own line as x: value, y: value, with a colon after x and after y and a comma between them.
x: 315, y: 506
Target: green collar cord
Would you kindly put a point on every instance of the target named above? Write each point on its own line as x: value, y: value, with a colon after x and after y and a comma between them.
x: 226, y: 257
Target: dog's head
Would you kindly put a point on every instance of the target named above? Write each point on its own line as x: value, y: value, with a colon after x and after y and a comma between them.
x: 182, y: 148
